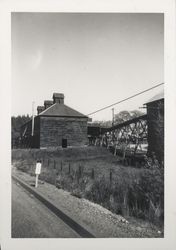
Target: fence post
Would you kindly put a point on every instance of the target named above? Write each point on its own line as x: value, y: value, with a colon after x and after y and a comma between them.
x: 31, y: 170
x: 55, y: 177
x: 110, y: 176
x: 61, y: 166
x: 54, y: 164
x: 77, y: 175
x: 69, y: 168
x: 92, y: 174
x: 80, y: 171
x: 48, y: 162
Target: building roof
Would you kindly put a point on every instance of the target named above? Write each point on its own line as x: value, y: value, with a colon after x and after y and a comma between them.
x: 61, y: 110
x: 157, y: 97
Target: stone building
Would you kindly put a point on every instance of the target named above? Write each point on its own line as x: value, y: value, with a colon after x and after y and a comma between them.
x: 155, y: 119
x: 55, y: 125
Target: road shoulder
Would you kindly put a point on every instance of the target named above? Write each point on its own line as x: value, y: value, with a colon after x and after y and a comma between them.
x: 92, y: 217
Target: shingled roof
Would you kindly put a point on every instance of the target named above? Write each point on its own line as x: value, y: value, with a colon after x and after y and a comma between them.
x: 61, y: 110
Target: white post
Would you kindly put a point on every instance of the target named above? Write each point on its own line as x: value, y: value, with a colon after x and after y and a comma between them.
x: 37, y: 172
x: 36, y: 180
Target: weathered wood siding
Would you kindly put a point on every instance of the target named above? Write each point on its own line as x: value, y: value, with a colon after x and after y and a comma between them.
x: 155, y: 114
x: 54, y: 129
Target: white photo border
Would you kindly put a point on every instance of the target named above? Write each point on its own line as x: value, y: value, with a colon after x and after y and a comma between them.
x: 110, y: 6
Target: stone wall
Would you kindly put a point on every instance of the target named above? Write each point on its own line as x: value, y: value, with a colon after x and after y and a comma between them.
x: 54, y: 129
x: 36, y: 138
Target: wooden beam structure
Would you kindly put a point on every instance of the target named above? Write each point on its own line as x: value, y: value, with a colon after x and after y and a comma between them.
x: 129, y: 136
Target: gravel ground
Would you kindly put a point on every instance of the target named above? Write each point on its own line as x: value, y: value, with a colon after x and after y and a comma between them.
x: 98, y: 220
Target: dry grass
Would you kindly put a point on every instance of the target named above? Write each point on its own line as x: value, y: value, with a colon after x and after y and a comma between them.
x: 95, y: 174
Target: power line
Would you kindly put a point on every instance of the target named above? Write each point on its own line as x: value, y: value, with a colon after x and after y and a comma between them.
x: 123, y: 100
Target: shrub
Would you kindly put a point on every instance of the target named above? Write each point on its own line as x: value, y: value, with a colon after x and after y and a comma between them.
x: 143, y: 198
x: 123, y: 190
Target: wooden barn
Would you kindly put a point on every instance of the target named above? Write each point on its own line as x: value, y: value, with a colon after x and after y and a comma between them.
x: 155, y: 119
x: 55, y: 125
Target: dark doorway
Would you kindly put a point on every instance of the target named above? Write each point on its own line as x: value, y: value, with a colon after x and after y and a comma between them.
x: 64, y: 143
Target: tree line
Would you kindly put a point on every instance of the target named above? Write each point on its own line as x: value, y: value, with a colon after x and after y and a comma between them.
x: 16, y: 123
x: 120, y: 117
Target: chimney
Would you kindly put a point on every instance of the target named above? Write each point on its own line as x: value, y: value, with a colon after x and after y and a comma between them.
x: 40, y: 109
x: 48, y: 103
x: 58, y: 98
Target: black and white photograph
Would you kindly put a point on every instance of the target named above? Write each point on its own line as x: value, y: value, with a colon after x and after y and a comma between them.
x: 87, y: 105
x: 87, y: 125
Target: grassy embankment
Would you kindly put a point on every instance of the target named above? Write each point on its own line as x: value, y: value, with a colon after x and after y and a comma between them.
x: 95, y: 174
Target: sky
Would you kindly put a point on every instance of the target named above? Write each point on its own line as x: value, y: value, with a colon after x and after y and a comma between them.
x: 95, y: 59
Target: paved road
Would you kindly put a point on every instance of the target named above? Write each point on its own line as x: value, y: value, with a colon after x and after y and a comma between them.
x: 32, y: 219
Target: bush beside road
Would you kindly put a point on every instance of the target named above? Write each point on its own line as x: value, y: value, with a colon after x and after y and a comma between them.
x: 99, y: 221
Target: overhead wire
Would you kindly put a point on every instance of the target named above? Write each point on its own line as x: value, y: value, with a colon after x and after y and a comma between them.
x: 123, y: 100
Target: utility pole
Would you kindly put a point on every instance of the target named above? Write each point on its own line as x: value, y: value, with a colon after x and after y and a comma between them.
x: 112, y: 116
x: 32, y: 133
x: 113, y: 120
